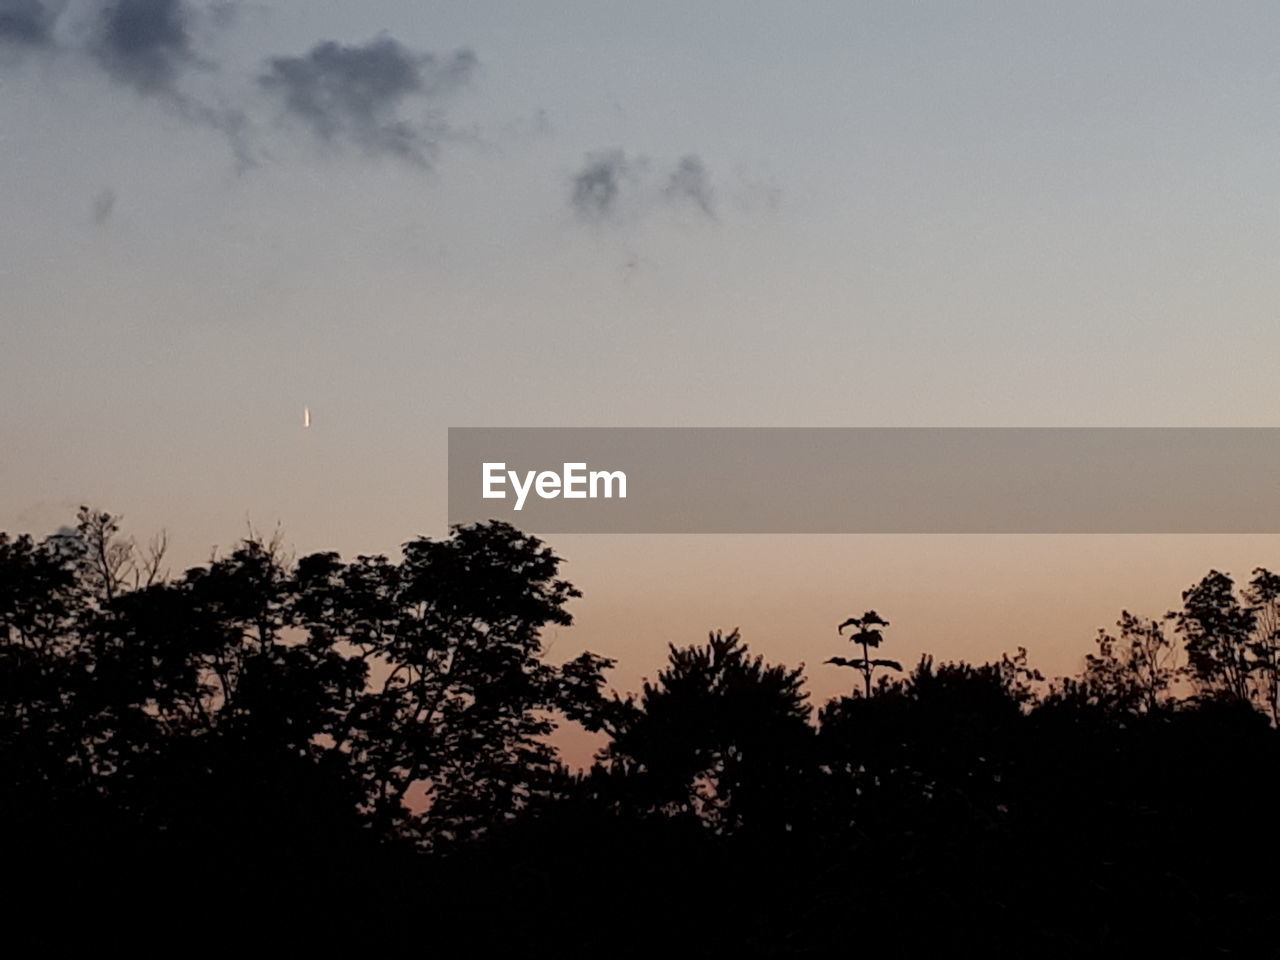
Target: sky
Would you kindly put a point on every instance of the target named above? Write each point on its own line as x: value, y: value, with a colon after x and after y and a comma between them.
x: 413, y: 215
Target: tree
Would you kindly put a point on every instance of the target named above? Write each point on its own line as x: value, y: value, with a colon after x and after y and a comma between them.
x: 721, y: 735
x: 868, y: 636
x: 1219, y: 631
x: 942, y: 738
x: 42, y: 659
x: 460, y: 700
x: 109, y: 563
x: 1263, y: 594
x: 374, y: 678
x: 1134, y: 671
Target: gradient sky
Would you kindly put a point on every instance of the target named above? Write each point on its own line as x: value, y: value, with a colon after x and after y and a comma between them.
x: 608, y: 214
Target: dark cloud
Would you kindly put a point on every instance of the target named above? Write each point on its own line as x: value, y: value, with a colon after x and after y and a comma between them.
x: 690, y: 182
x: 355, y: 92
x: 597, y: 185
x: 339, y: 92
x: 144, y: 44
x: 26, y: 23
x: 147, y: 45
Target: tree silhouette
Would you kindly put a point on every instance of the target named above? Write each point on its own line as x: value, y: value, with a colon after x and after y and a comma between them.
x: 229, y: 747
x: 1218, y: 629
x: 460, y: 698
x: 376, y: 675
x: 1134, y: 671
x: 720, y: 735
x: 1263, y: 594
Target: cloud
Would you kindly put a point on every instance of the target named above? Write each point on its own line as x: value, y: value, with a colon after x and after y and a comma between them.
x: 610, y: 181
x: 597, y: 185
x: 690, y: 182
x: 352, y: 93
x: 144, y: 44
x: 355, y: 93
x: 26, y: 23
x: 103, y: 205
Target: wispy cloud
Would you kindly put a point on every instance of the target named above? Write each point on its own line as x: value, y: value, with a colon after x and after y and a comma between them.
x: 103, y: 205
x: 690, y: 183
x: 360, y: 94
x: 381, y: 97
x: 610, y: 180
x: 356, y: 93
x: 597, y: 185
x: 145, y: 46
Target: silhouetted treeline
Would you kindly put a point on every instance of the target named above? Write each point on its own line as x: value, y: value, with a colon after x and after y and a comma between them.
x: 352, y: 756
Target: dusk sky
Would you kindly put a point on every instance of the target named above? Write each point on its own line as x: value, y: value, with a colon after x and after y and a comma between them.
x: 414, y: 215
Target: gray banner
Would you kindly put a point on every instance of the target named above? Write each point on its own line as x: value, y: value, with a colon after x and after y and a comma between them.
x: 868, y: 480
